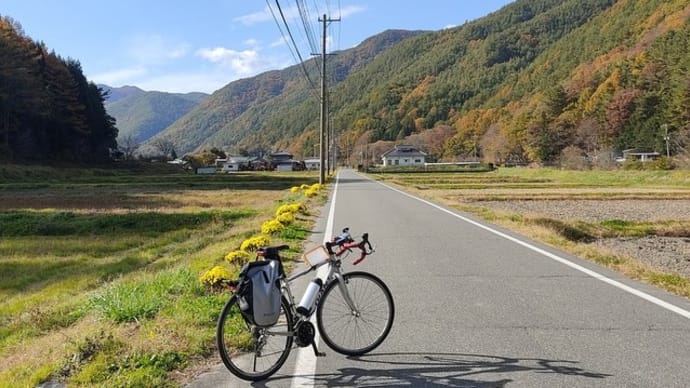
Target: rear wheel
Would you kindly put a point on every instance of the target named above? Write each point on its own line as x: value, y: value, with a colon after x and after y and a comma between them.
x: 251, y: 352
x: 354, y: 333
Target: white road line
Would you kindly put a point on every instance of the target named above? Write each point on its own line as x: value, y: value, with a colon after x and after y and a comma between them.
x: 668, y: 306
x: 305, y: 366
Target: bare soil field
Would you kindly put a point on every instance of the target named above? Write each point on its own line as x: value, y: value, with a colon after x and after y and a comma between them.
x: 665, y: 253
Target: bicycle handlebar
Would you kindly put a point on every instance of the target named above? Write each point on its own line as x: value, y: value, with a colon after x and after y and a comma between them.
x: 346, y: 243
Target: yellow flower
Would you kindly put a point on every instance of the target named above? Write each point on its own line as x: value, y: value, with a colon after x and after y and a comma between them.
x: 253, y: 243
x: 311, y: 192
x: 239, y: 257
x: 285, y: 218
x: 272, y: 226
x: 215, y: 276
x: 294, y: 189
x: 291, y: 208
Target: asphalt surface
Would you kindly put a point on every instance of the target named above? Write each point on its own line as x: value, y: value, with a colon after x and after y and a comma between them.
x: 479, y: 306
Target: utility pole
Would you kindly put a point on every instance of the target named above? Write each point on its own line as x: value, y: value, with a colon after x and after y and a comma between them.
x: 667, y: 138
x: 323, y: 145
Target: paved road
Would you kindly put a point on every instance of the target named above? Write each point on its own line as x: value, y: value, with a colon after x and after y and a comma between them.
x: 478, y: 306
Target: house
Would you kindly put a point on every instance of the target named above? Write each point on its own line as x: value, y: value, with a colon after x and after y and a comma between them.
x: 205, y: 170
x: 236, y: 163
x: 403, y: 155
x: 282, y: 161
x: 638, y: 154
x: 312, y: 164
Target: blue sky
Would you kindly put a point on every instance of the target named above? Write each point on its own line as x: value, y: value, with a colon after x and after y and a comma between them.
x: 183, y: 46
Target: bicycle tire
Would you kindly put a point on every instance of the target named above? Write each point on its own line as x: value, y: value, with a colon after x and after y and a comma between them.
x: 250, y: 352
x: 350, y: 334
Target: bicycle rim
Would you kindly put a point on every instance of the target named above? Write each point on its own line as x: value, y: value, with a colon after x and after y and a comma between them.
x: 250, y: 352
x: 355, y: 334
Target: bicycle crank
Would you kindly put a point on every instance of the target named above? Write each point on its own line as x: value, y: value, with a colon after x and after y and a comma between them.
x: 305, y: 337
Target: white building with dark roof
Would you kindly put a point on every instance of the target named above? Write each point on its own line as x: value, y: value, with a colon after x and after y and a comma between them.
x: 403, y: 155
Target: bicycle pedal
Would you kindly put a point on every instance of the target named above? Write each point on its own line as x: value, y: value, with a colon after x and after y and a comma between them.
x: 316, y: 351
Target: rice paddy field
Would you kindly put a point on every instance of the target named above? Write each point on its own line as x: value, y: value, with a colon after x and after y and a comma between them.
x: 100, y: 268
x: 635, y: 222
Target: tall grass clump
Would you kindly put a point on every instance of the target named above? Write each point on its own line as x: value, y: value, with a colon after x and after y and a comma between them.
x: 141, y: 299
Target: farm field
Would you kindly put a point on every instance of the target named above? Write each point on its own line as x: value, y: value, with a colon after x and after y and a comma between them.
x: 100, y: 268
x: 636, y: 222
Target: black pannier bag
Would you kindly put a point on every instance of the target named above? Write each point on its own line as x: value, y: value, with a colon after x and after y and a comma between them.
x: 259, y: 292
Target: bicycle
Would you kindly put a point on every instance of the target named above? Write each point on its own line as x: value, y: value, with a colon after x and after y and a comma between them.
x: 353, y: 320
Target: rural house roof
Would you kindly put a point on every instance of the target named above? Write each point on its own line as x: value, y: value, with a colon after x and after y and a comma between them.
x: 403, y: 151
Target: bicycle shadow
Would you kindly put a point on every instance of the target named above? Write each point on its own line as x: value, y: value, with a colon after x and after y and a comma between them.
x: 439, y: 370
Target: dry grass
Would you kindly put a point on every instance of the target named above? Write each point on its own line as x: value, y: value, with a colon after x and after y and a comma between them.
x: 117, y: 234
x: 502, y: 197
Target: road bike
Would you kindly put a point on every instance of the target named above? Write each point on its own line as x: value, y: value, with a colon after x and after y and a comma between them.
x: 354, y: 313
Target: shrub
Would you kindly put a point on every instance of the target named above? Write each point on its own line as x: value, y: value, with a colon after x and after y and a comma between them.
x: 294, y: 189
x: 292, y: 208
x: 136, y: 300
x: 285, y: 218
x: 272, y: 227
x: 662, y: 163
x: 311, y: 192
x: 237, y: 257
x: 253, y: 243
x: 215, y: 276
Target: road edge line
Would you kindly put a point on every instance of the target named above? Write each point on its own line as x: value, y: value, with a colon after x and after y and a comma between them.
x: 305, y: 364
x: 641, y: 294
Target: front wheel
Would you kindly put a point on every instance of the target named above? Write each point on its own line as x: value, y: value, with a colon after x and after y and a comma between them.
x: 251, y: 352
x: 359, y: 331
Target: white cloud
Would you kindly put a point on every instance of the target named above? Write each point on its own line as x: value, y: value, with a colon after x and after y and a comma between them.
x: 251, y: 42
x: 277, y: 43
x: 351, y: 10
x: 255, y: 18
x: 240, y: 62
x: 290, y: 13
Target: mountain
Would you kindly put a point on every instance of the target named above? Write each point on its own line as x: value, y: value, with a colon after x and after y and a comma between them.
x: 525, y: 83
x: 49, y: 111
x: 117, y: 94
x: 142, y: 114
x: 232, y: 114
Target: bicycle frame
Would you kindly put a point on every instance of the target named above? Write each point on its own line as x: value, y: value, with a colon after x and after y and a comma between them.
x: 334, y: 275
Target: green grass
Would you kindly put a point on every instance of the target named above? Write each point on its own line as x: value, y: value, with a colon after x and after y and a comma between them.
x: 100, y: 268
x: 139, y: 299
x: 56, y: 223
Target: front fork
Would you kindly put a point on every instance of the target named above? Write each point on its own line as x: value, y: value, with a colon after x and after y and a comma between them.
x: 342, y: 285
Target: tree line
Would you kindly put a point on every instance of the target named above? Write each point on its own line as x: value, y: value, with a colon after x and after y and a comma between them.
x: 49, y: 111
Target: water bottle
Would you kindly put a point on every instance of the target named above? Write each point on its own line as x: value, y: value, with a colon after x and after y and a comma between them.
x: 309, y: 297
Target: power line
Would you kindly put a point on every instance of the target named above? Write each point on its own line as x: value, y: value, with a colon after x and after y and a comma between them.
x: 294, y: 44
x: 308, y: 30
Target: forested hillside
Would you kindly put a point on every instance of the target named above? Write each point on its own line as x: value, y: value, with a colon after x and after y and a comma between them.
x: 531, y: 82
x: 141, y: 115
x: 524, y: 83
x: 48, y: 109
x: 273, y: 107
